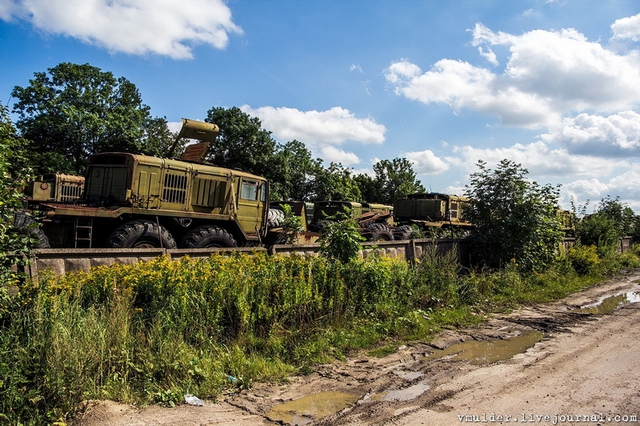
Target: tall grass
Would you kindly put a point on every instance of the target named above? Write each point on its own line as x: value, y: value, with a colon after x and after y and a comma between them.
x: 152, y: 332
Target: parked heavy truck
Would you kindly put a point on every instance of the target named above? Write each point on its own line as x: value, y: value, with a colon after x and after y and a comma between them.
x: 375, y: 220
x: 132, y: 200
x: 431, y: 214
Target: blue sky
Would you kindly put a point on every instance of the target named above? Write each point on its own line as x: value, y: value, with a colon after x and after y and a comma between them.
x: 552, y: 85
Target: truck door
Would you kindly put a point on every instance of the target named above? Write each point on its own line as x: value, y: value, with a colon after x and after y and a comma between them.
x: 251, y: 205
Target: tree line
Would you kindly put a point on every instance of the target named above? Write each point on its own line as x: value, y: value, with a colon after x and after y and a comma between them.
x: 75, y: 110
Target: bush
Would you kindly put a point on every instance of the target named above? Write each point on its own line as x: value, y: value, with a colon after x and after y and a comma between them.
x: 583, y: 259
x: 340, y: 239
x: 513, y: 218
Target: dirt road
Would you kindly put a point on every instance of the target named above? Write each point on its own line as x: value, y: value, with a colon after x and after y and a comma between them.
x: 557, y: 363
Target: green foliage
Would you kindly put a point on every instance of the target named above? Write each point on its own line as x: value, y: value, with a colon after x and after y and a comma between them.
x: 340, y: 238
x: 12, y: 178
x: 513, y: 218
x: 611, y: 221
x: 242, y: 143
x: 335, y: 183
x: 291, y: 226
x: 152, y: 332
x: 77, y: 110
x: 396, y: 178
x: 584, y: 259
x: 292, y: 172
x: 599, y: 231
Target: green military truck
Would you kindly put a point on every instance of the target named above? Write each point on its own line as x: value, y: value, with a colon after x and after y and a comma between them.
x: 374, y: 219
x: 131, y: 200
x: 430, y: 212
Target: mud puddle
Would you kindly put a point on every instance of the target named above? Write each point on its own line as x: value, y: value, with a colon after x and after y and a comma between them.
x: 610, y: 304
x: 485, y: 352
x: 310, y: 408
x: 406, y: 394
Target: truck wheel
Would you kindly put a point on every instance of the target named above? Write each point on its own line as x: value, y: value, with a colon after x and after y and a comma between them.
x: 140, y: 234
x: 26, y: 225
x: 208, y: 236
x: 403, y: 232
x: 380, y: 236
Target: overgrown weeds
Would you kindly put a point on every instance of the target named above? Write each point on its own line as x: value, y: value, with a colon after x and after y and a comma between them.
x: 152, y: 332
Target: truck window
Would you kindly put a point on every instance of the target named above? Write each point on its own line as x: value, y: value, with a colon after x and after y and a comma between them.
x: 249, y: 190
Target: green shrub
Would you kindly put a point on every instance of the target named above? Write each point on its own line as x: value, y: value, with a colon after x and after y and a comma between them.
x: 340, y: 239
x: 584, y: 259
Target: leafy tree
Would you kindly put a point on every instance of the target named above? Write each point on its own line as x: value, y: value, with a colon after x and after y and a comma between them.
x: 394, y: 179
x: 603, y: 229
x: 158, y: 139
x: 335, y: 183
x: 621, y: 214
x: 293, y: 172
x: 11, y: 180
x: 77, y: 110
x: 242, y: 143
x: 514, y: 218
x: 370, y: 188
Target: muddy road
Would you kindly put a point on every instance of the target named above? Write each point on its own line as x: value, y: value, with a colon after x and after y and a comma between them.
x: 572, y: 361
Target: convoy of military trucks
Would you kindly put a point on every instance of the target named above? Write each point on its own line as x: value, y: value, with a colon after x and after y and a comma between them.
x: 129, y: 200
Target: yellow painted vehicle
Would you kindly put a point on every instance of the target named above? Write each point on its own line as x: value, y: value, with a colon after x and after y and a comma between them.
x: 374, y: 219
x: 132, y: 200
x: 430, y: 212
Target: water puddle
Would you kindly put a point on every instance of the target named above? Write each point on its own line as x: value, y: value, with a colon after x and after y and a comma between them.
x: 489, y: 351
x: 408, y: 375
x: 310, y: 408
x: 405, y: 394
x: 610, y: 304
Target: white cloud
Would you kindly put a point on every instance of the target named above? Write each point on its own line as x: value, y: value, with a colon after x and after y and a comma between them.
x: 539, y: 160
x: 462, y: 85
x: 426, y: 162
x: 355, y: 67
x: 330, y: 154
x: 174, y: 126
x: 613, y: 136
x: 627, y: 28
x: 548, y: 74
x: 488, y: 55
x: 625, y: 185
x: 334, y: 126
x: 162, y: 27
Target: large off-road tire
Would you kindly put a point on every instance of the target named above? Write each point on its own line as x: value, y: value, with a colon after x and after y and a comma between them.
x: 275, y: 218
x: 26, y: 225
x: 208, y: 236
x: 141, y: 234
x: 403, y: 232
x: 380, y: 236
x: 377, y: 226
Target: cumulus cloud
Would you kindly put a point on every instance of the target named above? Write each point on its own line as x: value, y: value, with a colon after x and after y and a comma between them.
x: 548, y: 74
x: 625, y: 185
x: 462, y: 85
x: 426, y: 162
x: 334, y: 126
x: 162, y: 27
x: 617, y: 135
x: 330, y: 154
x: 627, y: 28
x: 539, y: 159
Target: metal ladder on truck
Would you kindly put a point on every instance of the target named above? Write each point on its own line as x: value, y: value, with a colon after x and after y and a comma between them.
x: 83, y: 227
